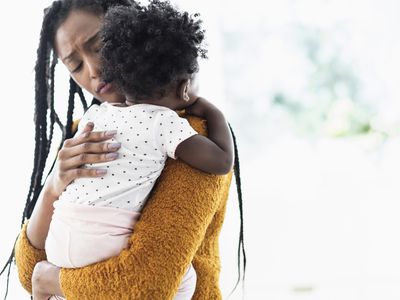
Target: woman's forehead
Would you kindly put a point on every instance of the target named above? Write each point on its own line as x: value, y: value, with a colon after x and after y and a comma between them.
x: 79, y: 27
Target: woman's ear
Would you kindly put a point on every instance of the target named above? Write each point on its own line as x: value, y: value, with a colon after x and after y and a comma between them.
x: 183, y: 90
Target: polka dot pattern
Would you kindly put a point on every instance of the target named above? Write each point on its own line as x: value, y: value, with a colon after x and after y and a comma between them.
x: 148, y: 134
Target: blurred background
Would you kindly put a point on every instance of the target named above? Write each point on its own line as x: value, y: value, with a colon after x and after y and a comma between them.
x: 311, y: 90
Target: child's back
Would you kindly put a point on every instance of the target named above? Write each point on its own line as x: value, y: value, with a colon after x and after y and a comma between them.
x: 148, y: 135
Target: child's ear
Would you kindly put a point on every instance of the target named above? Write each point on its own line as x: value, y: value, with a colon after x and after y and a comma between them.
x: 183, y: 90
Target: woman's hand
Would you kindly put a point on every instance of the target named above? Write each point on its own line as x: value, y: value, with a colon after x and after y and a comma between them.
x: 85, y: 148
x: 45, y: 281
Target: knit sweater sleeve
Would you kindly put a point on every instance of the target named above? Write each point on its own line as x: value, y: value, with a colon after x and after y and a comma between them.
x: 26, y: 257
x: 171, y: 229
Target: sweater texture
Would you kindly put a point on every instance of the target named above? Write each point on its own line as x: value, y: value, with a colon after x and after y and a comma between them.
x: 180, y: 224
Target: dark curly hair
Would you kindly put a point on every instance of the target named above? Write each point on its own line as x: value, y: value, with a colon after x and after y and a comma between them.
x: 173, y: 57
x: 148, y: 49
x: 46, y: 62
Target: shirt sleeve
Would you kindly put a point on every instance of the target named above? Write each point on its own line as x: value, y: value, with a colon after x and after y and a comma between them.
x: 171, y: 130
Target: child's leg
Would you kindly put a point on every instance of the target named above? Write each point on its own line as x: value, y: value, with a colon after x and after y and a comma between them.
x: 188, y: 285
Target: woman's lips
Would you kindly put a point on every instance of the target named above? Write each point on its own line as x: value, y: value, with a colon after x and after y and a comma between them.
x: 104, y: 88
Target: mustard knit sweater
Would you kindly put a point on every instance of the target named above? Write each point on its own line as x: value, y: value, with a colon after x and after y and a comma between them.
x: 180, y: 224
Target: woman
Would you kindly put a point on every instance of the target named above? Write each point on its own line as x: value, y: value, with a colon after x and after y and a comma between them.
x: 180, y: 223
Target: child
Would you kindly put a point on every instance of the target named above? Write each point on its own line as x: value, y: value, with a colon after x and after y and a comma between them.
x: 151, y: 54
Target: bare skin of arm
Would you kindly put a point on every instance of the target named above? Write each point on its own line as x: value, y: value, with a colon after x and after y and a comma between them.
x: 212, y: 154
x: 81, y: 284
x: 182, y: 222
x: 45, y: 281
x: 75, y: 152
x: 87, y: 147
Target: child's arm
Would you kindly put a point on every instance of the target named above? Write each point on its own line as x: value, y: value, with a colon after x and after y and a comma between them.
x: 215, y: 153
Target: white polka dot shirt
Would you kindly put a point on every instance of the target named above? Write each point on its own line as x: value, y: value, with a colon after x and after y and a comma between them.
x: 148, y: 134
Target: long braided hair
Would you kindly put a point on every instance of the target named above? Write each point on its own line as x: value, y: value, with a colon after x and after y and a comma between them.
x: 45, y: 116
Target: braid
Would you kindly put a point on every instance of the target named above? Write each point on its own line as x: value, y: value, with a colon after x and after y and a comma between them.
x: 241, y: 250
x: 71, y: 104
x: 50, y: 100
x: 44, y: 89
x: 43, y: 72
x: 67, y: 129
x: 82, y: 97
x: 43, y: 100
x: 44, y: 108
x: 44, y: 97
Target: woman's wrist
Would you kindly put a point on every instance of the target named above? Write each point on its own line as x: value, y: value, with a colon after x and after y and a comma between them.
x: 49, y: 193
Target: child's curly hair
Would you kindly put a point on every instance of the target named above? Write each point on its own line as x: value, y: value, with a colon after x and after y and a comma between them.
x: 148, y: 49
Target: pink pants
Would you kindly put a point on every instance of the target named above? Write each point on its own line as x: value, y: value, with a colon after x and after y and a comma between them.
x: 80, y: 235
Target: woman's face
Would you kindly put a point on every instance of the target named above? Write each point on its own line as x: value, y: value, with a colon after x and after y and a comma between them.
x: 78, y: 44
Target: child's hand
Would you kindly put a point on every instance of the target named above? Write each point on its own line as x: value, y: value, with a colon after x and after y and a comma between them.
x: 201, y: 108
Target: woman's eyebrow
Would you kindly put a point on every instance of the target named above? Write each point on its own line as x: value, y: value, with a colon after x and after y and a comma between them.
x: 88, y: 41
x: 92, y: 39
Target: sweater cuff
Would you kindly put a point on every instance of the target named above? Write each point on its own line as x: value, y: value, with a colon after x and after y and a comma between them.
x: 26, y: 257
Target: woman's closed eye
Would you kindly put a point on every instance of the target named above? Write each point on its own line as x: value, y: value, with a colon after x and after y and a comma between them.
x: 96, y: 46
x: 97, y: 49
x: 77, y: 68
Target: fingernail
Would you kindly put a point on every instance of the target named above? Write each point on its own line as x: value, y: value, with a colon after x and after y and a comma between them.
x: 114, y: 146
x: 101, y: 172
x: 111, y: 133
x: 112, y: 155
x: 91, y: 124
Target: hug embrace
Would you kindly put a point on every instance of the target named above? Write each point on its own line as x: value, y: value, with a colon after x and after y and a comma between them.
x: 134, y: 203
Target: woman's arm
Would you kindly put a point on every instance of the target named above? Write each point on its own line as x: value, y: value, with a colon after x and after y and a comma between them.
x: 84, y: 148
x: 75, y: 152
x: 173, y: 225
x: 165, y: 240
x: 44, y: 284
x: 26, y: 257
x: 212, y: 154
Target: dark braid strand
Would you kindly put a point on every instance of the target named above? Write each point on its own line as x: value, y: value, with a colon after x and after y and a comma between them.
x: 54, y: 16
x: 71, y: 104
x: 241, y: 250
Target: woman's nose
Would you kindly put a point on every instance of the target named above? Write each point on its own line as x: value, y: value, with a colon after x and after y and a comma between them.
x: 94, y: 68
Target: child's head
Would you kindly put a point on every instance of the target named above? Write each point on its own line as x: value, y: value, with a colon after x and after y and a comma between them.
x: 151, y: 51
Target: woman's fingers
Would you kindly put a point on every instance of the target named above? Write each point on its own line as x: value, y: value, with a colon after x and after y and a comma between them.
x: 73, y: 174
x: 88, y: 127
x: 85, y: 158
x: 88, y: 147
x: 90, y: 136
x: 67, y: 152
x: 88, y: 142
